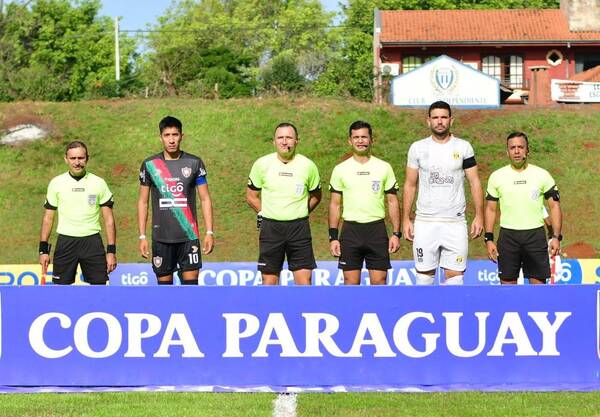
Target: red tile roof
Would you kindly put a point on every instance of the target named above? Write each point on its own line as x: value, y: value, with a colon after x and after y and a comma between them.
x: 591, y: 75
x: 515, y: 25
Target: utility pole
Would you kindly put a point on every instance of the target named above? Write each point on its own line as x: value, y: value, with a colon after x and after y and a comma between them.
x: 117, y: 54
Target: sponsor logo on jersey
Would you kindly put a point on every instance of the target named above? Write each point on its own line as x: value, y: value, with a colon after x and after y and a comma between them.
x: 299, y: 189
x: 286, y: 174
x: 456, y: 155
x: 78, y: 190
x: 376, y: 186
x: 201, y: 172
x: 92, y: 198
x: 194, y: 248
x: 172, y: 202
x: 437, y: 178
x: 459, y: 259
x: 175, y: 189
x: 186, y: 172
x: 520, y: 182
x: 143, y: 175
x: 157, y: 261
x: 363, y: 173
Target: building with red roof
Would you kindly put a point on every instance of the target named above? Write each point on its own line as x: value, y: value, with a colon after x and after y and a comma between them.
x: 502, y: 43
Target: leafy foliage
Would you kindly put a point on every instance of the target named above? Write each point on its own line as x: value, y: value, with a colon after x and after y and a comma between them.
x: 55, y: 50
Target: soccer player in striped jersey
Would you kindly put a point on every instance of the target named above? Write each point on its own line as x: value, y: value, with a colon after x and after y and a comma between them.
x: 171, y: 179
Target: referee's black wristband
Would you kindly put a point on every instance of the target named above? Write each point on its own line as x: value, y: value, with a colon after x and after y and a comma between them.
x: 44, y: 248
x: 397, y: 234
x: 333, y: 233
x: 111, y: 249
x: 488, y: 237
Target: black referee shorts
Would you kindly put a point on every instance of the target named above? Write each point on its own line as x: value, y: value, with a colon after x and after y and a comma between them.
x: 527, y: 249
x: 87, y: 251
x: 279, y: 239
x: 364, y: 242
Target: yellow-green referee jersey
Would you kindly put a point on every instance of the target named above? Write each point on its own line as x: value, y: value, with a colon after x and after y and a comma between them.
x: 363, y: 187
x: 284, y: 187
x: 521, y: 195
x: 78, y: 202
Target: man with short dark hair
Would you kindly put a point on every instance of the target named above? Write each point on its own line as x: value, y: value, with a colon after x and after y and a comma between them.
x: 283, y: 188
x: 364, y: 183
x: 79, y: 197
x: 438, y: 165
x: 520, y: 189
x: 173, y: 177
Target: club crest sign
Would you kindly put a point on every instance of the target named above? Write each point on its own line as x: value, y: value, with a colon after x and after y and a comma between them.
x: 446, y: 79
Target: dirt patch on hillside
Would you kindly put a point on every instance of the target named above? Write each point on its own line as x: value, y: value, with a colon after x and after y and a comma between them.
x: 22, y: 118
x: 579, y: 250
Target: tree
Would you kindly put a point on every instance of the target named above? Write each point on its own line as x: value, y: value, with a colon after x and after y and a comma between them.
x: 59, y: 50
x: 260, y: 30
x: 352, y: 71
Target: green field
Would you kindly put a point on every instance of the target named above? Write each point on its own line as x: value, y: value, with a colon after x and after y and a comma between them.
x: 460, y: 404
x: 230, y: 135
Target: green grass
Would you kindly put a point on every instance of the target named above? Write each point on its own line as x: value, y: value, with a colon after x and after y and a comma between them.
x: 230, y: 135
x: 459, y: 404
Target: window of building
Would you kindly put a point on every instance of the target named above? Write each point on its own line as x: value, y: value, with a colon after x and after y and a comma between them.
x: 491, y: 66
x: 412, y: 62
x: 506, y: 69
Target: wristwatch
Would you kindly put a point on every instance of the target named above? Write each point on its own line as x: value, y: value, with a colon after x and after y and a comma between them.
x: 557, y: 237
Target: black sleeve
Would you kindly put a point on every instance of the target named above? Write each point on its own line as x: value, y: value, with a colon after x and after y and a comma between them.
x: 490, y: 197
x: 469, y: 162
x: 145, y: 176
x: 49, y: 206
x: 552, y: 193
x: 317, y: 188
x: 252, y: 186
x: 333, y: 190
x: 393, y: 190
x: 109, y: 203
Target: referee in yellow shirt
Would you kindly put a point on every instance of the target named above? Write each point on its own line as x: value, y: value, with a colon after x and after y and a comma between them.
x: 283, y: 188
x: 79, y: 197
x: 362, y: 184
x: 520, y: 189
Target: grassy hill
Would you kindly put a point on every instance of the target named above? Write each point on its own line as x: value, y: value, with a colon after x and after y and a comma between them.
x: 230, y: 135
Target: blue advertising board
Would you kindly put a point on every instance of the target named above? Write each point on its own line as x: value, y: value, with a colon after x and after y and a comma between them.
x: 479, y: 272
x: 539, y: 337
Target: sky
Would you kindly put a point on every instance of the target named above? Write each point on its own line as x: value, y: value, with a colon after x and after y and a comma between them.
x: 136, y: 14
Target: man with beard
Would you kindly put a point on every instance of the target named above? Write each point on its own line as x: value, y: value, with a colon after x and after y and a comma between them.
x: 437, y: 166
x: 363, y: 182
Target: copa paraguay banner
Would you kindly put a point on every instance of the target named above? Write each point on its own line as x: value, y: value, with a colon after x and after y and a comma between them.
x: 479, y: 272
x: 363, y: 337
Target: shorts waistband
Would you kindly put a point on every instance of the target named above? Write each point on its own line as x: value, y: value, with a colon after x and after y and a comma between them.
x: 367, y: 223
x: 535, y: 229
x: 79, y: 237
x: 285, y: 221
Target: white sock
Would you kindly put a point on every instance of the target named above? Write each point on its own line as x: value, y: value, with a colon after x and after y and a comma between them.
x: 457, y: 280
x: 424, y: 279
